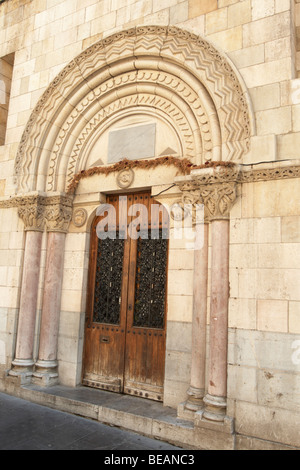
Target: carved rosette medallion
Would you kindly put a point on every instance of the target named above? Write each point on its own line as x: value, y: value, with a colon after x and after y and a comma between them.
x: 125, y: 178
x: 79, y: 217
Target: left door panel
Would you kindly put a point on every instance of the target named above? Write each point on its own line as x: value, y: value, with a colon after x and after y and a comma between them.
x: 106, y: 309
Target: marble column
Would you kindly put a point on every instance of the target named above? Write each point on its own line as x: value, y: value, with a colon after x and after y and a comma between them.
x: 30, y: 211
x: 23, y: 362
x: 57, y: 218
x: 217, y: 191
x: 46, y: 366
x: 215, y: 399
x: 196, y: 390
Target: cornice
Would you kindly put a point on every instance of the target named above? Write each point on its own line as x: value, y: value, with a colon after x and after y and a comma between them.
x: 288, y: 169
x: 216, y: 187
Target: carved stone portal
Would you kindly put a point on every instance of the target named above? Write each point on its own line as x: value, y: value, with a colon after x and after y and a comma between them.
x: 176, y: 75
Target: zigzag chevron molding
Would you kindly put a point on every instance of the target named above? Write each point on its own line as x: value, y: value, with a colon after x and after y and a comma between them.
x: 170, y: 70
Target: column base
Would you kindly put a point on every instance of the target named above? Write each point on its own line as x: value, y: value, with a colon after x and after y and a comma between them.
x: 214, y: 435
x: 22, y: 369
x: 45, y: 374
x: 215, y: 408
x: 194, y: 403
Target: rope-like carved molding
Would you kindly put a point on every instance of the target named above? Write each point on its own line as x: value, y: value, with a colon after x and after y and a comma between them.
x: 226, y: 172
x: 215, y: 188
x: 169, y: 45
x: 246, y: 175
x: 254, y: 175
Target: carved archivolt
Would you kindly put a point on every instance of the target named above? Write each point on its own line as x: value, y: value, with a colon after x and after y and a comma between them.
x: 191, y: 141
x: 175, y: 73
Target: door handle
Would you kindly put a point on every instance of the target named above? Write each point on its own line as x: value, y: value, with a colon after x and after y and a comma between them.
x: 104, y: 339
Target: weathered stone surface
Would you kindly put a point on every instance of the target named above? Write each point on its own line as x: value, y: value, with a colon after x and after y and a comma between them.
x: 214, y: 81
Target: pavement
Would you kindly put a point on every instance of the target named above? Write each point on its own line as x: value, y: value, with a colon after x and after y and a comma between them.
x: 28, y: 426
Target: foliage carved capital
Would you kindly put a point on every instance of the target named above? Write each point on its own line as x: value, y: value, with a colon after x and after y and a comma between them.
x: 39, y: 212
x: 215, y: 188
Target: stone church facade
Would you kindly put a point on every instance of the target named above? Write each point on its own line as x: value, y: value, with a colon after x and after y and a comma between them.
x: 190, y: 104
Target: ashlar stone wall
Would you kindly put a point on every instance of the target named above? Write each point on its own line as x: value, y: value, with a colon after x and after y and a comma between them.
x: 264, y: 311
x: 258, y: 36
x: 261, y: 39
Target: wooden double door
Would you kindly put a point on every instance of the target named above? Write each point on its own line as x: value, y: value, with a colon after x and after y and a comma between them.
x: 125, y: 332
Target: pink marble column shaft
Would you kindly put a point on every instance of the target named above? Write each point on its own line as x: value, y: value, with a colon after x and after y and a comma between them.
x: 28, y: 302
x: 196, y: 391
x: 51, y: 304
x: 215, y: 400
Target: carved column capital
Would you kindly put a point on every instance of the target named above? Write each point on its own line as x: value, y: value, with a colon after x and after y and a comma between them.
x: 39, y: 212
x: 30, y: 210
x: 58, y: 213
x: 215, y: 188
x: 218, y: 200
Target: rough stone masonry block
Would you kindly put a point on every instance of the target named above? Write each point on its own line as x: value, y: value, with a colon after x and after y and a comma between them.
x: 267, y: 29
x: 262, y: 8
x: 272, y: 315
x: 229, y: 39
x: 216, y: 21
x: 254, y: 420
x: 197, y: 8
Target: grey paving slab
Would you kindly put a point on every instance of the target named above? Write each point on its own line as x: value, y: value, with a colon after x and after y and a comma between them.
x: 28, y: 426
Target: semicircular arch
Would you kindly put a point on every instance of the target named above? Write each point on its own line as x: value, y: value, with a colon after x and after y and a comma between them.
x: 172, y: 71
